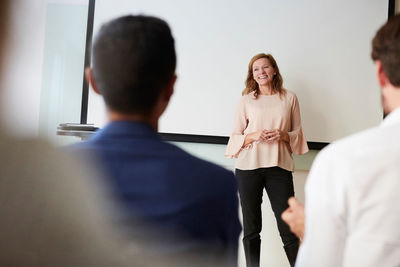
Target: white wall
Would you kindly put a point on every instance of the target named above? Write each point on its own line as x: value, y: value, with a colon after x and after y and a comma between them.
x: 322, y: 48
x: 23, y: 65
x: 22, y: 86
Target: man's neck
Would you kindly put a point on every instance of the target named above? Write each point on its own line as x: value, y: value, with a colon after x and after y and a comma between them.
x: 115, y: 116
x: 390, y: 98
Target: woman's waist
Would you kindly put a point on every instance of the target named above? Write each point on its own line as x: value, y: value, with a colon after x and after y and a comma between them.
x: 251, y: 163
x: 265, y: 150
x: 269, y: 147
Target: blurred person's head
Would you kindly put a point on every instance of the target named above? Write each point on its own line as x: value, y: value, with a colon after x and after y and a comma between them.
x: 133, y: 67
x: 386, y: 54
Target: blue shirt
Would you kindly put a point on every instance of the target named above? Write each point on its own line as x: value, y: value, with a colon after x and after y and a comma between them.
x: 169, y: 189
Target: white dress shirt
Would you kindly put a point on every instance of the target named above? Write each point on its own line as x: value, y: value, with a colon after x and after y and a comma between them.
x: 353, y: 201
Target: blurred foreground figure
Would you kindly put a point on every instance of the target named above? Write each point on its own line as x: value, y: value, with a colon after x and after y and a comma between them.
x: 51, y: 212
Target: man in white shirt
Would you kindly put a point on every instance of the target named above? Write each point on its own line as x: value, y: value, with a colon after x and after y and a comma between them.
x: 352, y: 192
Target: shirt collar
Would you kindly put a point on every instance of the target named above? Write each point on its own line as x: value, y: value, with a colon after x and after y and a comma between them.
x: 128, y: 128
x: 392, y: 118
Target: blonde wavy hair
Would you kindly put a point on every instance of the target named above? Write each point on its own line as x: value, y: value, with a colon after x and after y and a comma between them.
x: 252, y: 85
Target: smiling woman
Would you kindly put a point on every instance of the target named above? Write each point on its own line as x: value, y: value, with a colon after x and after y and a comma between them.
x: 267, y: 129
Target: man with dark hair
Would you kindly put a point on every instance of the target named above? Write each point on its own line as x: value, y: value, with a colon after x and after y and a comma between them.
x: 133, y: 61
x: 352, y: 192
x: 193, y: 201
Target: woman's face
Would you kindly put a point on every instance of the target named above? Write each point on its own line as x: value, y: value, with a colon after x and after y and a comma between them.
x: 263, y: 72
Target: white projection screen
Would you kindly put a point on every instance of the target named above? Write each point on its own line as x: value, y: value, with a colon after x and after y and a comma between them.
x: 322, y: 48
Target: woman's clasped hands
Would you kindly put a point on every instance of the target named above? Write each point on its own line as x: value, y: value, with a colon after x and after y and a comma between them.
x: 270, y: 136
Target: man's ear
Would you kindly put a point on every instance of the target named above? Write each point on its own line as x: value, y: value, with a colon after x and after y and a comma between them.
x: 383, y: 80
x: 90, y: 79
x: 170, y: 88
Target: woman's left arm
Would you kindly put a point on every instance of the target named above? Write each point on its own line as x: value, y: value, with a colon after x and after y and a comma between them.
x: 297, y: 140
x: 295, y: 137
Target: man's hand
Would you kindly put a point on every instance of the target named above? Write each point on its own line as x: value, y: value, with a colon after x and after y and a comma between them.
x: 294, y: 216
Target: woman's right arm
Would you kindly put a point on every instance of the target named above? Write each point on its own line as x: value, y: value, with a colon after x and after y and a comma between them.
x: 238, y: 140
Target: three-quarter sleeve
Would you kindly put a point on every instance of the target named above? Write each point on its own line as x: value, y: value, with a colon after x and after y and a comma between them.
x: 237, y: 137
x: 297, y: 140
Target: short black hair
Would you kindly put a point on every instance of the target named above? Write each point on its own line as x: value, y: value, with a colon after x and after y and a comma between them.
x: 133, y: 57
x: 386, y: 48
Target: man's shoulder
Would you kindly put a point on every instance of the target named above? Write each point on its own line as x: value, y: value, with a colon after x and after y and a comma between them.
x: 190, y: 169
x: 371, y: 148
x: 171, y: 160
x: 162, y: 152
x: 372, y: 140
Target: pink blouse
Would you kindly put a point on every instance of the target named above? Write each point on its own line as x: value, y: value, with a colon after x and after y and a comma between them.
x: 267, y: 112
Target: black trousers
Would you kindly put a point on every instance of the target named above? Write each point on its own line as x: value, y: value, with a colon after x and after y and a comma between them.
x: 278, y: 183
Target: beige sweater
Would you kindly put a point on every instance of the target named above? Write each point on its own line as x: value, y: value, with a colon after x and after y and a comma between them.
x: 267, y: 112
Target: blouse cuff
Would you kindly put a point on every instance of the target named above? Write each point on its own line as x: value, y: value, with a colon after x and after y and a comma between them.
x: 234, y: 146
x: 297, y: 142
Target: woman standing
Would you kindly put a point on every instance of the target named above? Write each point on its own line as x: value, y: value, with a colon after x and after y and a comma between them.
x: 267, y: 129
